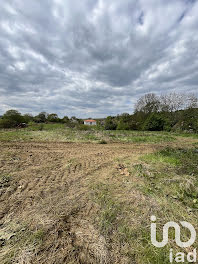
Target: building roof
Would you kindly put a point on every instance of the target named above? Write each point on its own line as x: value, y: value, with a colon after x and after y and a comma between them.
x: 90, y: 120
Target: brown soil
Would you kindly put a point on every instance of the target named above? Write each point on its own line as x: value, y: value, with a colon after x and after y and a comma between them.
x: 51, y: 190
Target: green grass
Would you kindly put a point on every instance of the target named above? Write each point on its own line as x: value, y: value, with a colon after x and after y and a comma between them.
x: 192, y: 135
x: 45, y: 127
x: 139, y: 136
x: 178, y: 181
x: 165, y: 156
x: 61, y: 133
x: 186, y: 160
x: 168, y: 181
x: 114, y: 224
x: 110, y: 209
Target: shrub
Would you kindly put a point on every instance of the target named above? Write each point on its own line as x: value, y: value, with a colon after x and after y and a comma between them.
x: 13, y: 115
x: 102, y: 141
x: 7, y: 123
x: 83, y: 127
x: 190, y: 120
x: 110, y: 123
x: 41, y: 127
x: 156, y: 122
x: 123, y: 126
x: 27, y: 118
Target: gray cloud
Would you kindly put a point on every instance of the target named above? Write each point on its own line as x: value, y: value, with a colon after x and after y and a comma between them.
x: 95, y: 57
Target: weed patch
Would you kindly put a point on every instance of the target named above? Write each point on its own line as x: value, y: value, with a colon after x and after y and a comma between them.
x: 20, y: 243
x: 5, y: 180
x: 114, y: 223
x: 102, y: 141
x: 177, y: 182
x: 110, y: 209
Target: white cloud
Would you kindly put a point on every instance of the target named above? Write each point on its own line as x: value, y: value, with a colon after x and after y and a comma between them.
x: 95, y: 57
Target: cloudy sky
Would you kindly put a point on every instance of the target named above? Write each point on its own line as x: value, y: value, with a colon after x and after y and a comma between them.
x: 95, y: 57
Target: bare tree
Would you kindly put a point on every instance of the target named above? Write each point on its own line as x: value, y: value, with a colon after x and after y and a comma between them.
x: 148, y: 103
x: 176, y: 101
x: 191, y: 101
x: 171, y: 102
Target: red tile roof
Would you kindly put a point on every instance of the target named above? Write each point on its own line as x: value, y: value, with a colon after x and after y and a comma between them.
x: 90, y: 120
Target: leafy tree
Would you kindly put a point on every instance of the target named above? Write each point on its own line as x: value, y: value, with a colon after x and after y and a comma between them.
x: 156, y: 122
x: 7, y: 123
x: 187, y: 120
x: 28, y: 118
x: 173, y: 110
x: 124, y: 121
x: 76, y: 120
x: 123, y: 126
x: 110, y: 123
x: 14, y: 116
x: 65, y: 119
x: 41, y: 117
x: 52, y: 118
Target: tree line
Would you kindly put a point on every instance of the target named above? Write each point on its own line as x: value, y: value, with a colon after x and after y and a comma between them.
x: 173, y: 111
x: 13, y: 118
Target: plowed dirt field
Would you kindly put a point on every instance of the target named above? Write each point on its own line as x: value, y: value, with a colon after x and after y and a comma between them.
x: 47, y: 209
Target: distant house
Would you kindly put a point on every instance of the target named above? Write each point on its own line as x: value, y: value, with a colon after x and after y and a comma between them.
x: 90, y: 122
